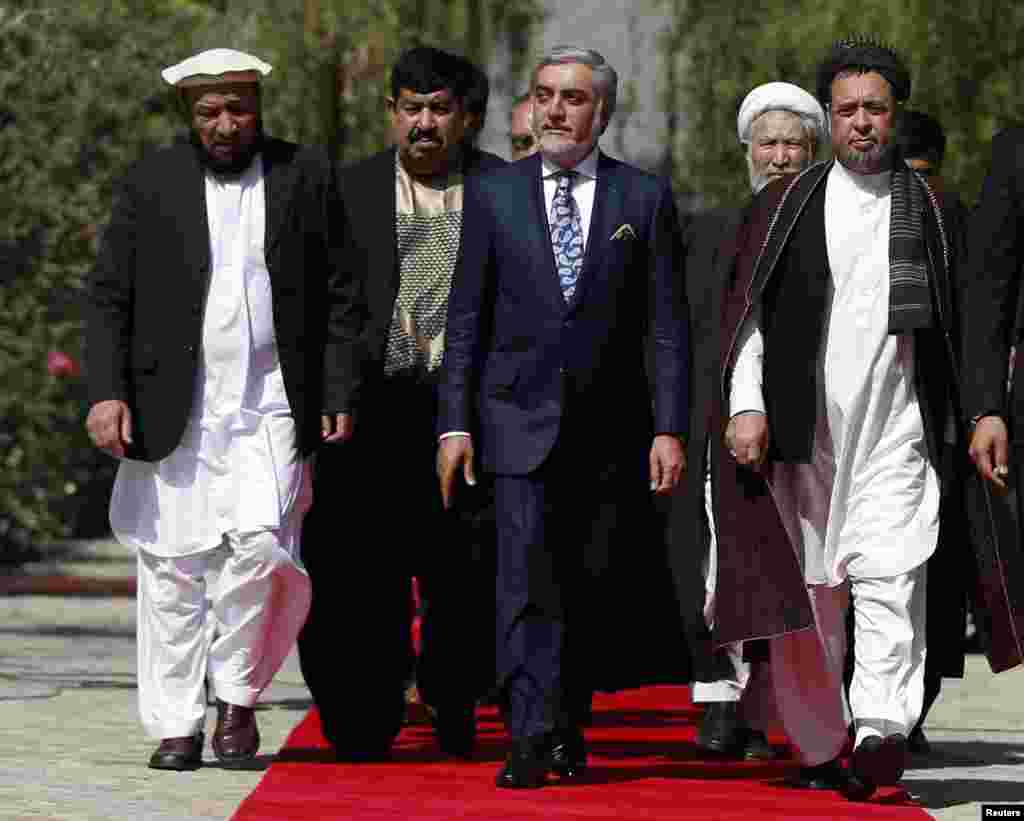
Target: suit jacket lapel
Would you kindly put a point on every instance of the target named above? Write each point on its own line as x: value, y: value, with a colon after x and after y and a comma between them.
x: 190, y: 184
x: 605, y: 217
x: 277, y: 196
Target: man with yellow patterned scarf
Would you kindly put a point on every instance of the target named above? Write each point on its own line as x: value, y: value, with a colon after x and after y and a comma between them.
x: 378, y: 519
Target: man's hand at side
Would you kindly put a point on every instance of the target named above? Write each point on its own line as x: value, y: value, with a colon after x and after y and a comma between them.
x: 110, y: 426
x: 990, y: 449
x: 454, y: 452
x: 746, y: 437
x: 337, y: 428
x: 667, y: 462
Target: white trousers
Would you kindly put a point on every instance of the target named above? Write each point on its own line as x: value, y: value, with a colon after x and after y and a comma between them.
x: 887, y: 689
x: 237, y: 633
x: 732, y: 685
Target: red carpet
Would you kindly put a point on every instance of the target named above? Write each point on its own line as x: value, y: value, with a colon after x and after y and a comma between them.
x: 642, y: 766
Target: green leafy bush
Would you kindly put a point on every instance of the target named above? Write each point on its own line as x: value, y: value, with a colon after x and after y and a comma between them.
x: 77, y: 104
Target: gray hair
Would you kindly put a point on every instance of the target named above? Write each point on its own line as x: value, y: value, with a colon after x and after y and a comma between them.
x: 606, y: 80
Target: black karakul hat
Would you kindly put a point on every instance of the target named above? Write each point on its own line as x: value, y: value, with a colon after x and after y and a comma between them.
x: 863, y: 54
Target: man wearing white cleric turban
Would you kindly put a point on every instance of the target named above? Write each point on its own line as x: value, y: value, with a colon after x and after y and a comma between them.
x: 220, y: 324
x: 779, y: 126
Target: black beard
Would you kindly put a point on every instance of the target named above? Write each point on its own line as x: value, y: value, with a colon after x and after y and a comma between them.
x: 227, y: 169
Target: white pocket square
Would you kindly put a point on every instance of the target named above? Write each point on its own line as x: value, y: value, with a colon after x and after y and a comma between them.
x: 624, y: 231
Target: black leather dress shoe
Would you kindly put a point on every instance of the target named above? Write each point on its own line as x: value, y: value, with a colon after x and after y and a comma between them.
x: 876, y: 762
x: 182, y: 753
x: 527, y: 764
x: 827, y: 776
x: 721, y: 732
x: 568, y: 753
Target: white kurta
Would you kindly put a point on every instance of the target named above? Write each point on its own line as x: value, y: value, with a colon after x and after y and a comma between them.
x: 237, y: 467
x: 868, y: 503
x: 864, y: 512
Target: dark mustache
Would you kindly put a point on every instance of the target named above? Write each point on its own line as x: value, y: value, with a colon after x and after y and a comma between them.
x: 416, y: 133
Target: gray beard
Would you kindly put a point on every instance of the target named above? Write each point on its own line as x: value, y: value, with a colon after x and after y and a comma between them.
x: 869, y: 162
x: 758, y: 181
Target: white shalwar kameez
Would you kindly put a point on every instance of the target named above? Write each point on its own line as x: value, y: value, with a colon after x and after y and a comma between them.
x: 227, y: 503
x: 864, y: 513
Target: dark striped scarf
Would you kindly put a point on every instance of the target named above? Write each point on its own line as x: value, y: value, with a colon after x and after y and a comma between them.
x: 910, y: 296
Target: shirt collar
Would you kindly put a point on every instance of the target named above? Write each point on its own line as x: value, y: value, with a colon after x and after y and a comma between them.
x: 587, y: 167
x: 872, y: 185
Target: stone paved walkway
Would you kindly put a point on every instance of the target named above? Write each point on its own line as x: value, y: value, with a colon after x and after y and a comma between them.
x: 71, y: 748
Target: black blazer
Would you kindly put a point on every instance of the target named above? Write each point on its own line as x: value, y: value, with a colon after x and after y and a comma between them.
x: 515, y: 348
x: 992, y: 284
x: 370, y: 208
x: 710, y: 241
x: 147, y: 292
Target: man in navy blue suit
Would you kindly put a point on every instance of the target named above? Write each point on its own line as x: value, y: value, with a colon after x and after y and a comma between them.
x: 566, y: 376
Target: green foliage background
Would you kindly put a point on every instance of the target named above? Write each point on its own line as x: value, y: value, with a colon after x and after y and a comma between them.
x: 966, y: 60
x: 80, y: 99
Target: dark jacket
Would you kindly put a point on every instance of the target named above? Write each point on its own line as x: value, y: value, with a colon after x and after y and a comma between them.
x: 370, y: 210
x: 992, y: 310
x: 514, y: 345
x: 710, y: 241
x: 147, y: 292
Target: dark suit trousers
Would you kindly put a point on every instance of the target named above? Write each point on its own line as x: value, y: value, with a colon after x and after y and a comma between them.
x: 556, y: 529
x: 377, y: 521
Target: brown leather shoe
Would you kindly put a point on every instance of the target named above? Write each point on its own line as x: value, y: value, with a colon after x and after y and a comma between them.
x: 237, y: 738
x: 181, y: 753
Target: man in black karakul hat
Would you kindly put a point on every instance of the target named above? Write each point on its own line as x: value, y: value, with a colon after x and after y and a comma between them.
x: 836, y: 348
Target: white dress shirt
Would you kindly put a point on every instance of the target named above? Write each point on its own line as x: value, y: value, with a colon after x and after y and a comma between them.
x: 584, y: 186
x: 237, y: 467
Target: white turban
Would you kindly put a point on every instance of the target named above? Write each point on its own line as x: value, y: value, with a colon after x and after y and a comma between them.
x: 218, y: 65
x: 779, y: 97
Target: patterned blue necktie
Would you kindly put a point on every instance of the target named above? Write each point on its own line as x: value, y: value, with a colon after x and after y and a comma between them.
x: 566, y: 235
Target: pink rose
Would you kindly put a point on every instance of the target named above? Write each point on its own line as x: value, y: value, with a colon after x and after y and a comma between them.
x: 59, y: 363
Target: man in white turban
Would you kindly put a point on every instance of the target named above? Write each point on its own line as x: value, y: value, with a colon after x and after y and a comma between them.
x: 220, y: 328
x: 780, y: 127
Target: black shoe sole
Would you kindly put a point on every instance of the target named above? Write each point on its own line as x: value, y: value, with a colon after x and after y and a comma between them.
x: 177, y: 762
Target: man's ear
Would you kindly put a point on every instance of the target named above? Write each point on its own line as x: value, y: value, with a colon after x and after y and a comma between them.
x: 390, y: 104
x: 604, y: 120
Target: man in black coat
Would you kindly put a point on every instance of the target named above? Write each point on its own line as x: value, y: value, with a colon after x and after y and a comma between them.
x: 991, y: 327
x: 406, y: 216
x: 222, y: 321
